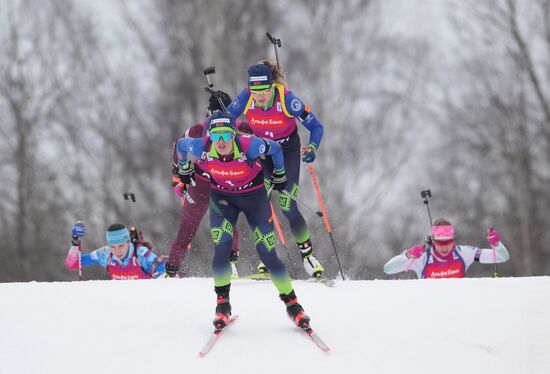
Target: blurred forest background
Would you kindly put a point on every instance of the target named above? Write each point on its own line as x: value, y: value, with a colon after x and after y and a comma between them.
x: 453, y: 96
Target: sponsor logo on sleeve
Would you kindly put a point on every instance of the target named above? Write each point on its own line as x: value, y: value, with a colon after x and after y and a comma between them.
x: 296, y: 105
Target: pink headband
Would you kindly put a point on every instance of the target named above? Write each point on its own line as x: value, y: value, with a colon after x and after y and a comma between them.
x: 443, y: 232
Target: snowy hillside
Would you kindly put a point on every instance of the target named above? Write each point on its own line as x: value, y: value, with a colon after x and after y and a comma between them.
x: 442, y: 326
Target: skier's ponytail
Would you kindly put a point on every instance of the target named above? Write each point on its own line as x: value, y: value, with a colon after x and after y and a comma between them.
x: 441, y: 222
x: 279, y: 75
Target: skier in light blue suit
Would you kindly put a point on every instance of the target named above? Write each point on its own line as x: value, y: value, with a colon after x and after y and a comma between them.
x: 122, y: 259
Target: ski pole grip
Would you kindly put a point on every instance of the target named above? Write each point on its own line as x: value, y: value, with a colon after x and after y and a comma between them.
x: 130, y: 196
x: 209, y: 70
x: 274, y: 40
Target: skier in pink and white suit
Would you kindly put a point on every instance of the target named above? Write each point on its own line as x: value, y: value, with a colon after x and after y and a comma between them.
x: 443, y: 257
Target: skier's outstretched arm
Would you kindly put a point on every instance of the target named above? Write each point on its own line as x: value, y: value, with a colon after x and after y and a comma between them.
x: 411, y: 259
x: 151, y: 263
x: 488, y: 256
x: 498, y: 253
x: 396, y: 264
x: 97, y: 257
x: 184, y: 146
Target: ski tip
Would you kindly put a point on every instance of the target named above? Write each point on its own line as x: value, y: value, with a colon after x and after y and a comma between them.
x: 327, y: 282
x: 202, y: 354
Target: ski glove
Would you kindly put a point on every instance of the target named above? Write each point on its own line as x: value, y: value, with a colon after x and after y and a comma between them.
x: 308, y: 153
x: 186, y: 173
x: 178, y: 187
x: 278, y: 180
x: 77, y: 232
x: 415, y: 252
x: 492, y: 236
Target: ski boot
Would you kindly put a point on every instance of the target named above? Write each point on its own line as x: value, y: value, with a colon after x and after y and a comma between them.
x: 262, y: 269
x: 171, y: 271
x: 223, y: 307
x: 295, y: 310
x: 234, y: 256
x: 312, y: 266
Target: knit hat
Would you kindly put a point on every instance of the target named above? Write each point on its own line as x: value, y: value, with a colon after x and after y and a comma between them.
x: 221, y: 121
x: 260, y: 77
x: 443, y: 233
x: 117, y: 234
x: 214, y: 103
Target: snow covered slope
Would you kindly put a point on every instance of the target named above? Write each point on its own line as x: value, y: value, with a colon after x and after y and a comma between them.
x: 429, y: 326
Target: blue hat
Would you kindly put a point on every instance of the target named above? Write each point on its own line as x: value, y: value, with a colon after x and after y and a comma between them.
x: 118, y: 236
x: 221, y: 121
x: 260, y: 77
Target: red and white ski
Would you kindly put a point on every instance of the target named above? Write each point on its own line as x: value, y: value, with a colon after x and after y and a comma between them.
x: 215, y: 336
x: 316, y: 339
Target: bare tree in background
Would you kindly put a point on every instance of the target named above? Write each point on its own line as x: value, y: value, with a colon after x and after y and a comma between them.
x: 45, y: 82
x: 495, y: 156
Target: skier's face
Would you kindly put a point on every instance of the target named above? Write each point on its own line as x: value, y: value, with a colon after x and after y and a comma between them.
x: 119, y: 250
x: 224, y: 147
x: 444, y: 247
x: 262, y: 97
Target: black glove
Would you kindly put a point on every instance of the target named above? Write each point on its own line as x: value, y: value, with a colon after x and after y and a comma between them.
x: 186, y: 173
x: 278, y: 180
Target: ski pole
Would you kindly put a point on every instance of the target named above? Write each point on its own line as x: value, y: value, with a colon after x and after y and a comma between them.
x: 276, y: 43
x: 424, y: 195
x: 131, y: 197
x: 79, y: 259
x: 325, y: 217
x: 302, y: 203
x: 182, y: 205
x: 134, y: 233
x: 495, y: 272
x: 282, y: 238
